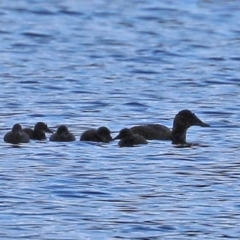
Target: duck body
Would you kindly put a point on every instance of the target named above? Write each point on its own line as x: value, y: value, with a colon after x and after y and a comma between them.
x: 38, y: 133
x: 101, y: 134
x: 62, y: 135
x: 182, y: 121
x: 153, y: 131
x: 16, y: 135
x: 129, y: 139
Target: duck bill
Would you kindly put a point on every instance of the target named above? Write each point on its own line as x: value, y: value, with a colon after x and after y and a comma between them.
x: 200, y: 123
x: 204, y: 125
x: 117, y: 137
x: 49, y: 130
x: 110, y: 139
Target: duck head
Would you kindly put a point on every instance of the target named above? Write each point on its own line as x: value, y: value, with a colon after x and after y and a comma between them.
x: 62, y: 131
x: 182, y: 121
x: 186, y: 118
x: 105, y: 134
x: 125, y: 132
x: 42, y: 127
x: 17, y: 129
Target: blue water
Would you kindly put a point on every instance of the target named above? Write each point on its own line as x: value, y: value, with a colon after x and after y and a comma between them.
x: 117, y: 64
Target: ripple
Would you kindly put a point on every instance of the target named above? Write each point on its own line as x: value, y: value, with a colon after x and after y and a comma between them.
x: 119, y: 64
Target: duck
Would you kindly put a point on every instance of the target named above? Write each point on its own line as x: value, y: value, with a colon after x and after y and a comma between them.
x: 129, y: 139
x: 62, y: 135
x: 38, y: 133
x: 16, y: 135
x: 102, y: 134
x: 182, y: 121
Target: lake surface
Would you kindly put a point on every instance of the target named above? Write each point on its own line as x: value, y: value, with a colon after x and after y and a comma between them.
x: 97, y: 63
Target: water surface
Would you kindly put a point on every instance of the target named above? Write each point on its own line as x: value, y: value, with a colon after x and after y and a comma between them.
x: 118, y: 64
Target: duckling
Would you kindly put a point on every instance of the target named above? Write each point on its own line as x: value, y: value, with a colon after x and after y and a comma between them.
x: 62, y: 135
x: 101, y: 134
x: 38, y: 133
x: 16, y: 135
x: 129, y: 139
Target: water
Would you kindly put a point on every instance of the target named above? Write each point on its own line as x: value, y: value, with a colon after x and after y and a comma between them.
x: 118, y: 64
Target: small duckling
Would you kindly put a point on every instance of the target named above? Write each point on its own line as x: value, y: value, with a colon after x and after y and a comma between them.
x: 129, y: 139
x: 101, y: 134
x: 16, y: 135
x: 38, y: 133
x: 62, y: 135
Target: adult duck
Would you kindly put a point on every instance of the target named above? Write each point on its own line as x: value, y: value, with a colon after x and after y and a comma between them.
x: 182, y: 121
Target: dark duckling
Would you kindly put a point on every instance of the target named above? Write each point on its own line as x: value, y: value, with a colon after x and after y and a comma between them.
x: 182, y: 121
x: 62, y: 135
x: 38, y: 133
x: 16, y: 135
x: 101, y: 134
x: 129, y: 139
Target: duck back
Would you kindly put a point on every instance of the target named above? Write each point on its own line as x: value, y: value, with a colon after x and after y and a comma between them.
x: 29, y: 132
x: 132, y: 141
x: 58, y: 138
x: 153, y: 131
x: 101, y: 134
x: 91, y: 135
